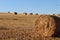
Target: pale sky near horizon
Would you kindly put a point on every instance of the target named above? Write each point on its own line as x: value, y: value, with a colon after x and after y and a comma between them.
x: 34, y: 6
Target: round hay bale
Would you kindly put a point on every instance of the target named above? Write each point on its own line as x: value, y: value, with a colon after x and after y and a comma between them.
x: 58, y: 14
x: 8, y: 12
x: 15, y: 13
x: 48, y: 25
x: 24, y: 13
x: 36, y: 14
x: 31, y: 13
x: 53, y: 14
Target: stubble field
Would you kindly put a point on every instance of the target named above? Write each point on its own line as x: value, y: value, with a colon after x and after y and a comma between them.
x: 19, y: 27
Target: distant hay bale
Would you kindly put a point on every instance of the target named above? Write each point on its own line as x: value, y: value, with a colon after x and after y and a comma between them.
x: 53, y: 14
x: 36, y: 14
x: 58, y: 14
x: 48, y: 25
x: 15, y: 13
x: 8, y: 12
x: 24, y: 13
x: 31, y: 13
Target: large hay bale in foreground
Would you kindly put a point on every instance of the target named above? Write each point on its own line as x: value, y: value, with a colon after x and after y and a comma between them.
x: 48, y: 25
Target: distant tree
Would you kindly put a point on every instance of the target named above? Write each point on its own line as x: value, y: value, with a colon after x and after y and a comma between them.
x: 15, y: 13
x: 31, y: 13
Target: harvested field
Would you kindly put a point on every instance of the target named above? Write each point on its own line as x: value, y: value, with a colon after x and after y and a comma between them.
x: 19, y: 27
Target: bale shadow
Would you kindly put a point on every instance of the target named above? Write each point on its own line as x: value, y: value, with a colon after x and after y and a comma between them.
x: 57, y: 24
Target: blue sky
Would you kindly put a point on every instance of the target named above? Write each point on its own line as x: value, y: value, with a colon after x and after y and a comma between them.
x: 35, y: 6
